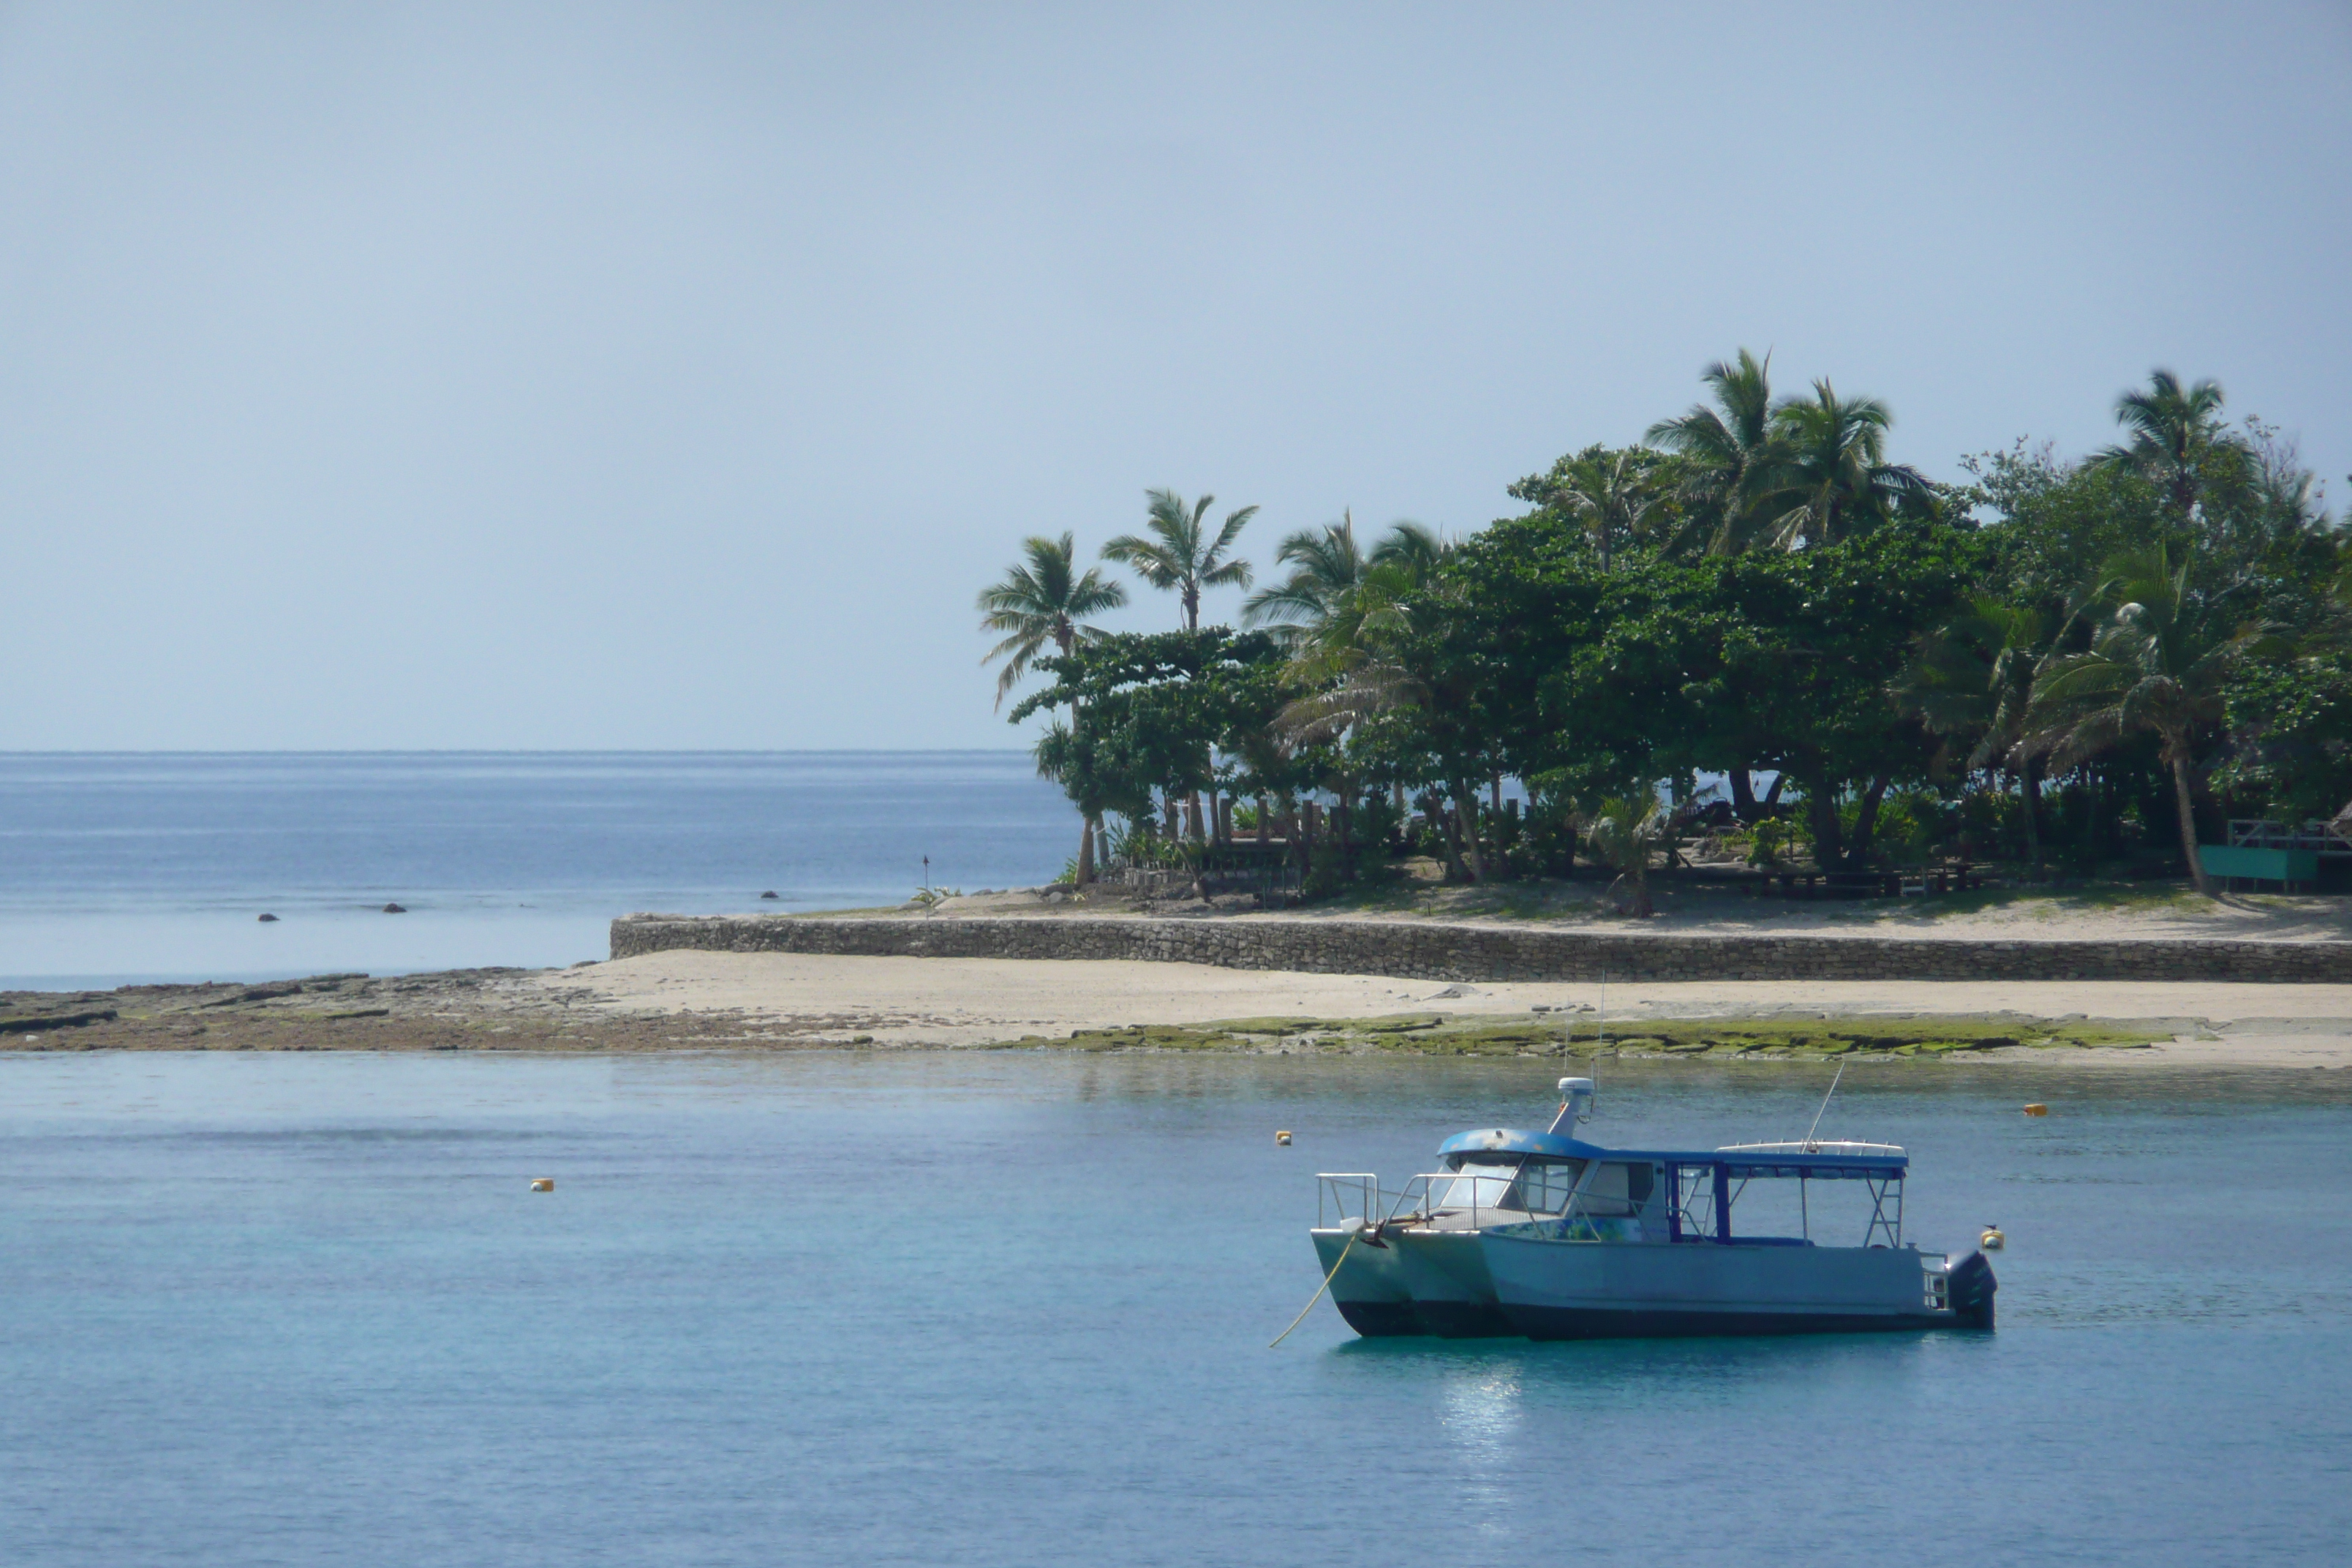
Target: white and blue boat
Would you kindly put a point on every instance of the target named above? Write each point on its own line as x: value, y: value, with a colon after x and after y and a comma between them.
x: 1549, y: 1235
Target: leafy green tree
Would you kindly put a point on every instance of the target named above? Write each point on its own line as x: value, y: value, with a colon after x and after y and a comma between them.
x: 1044, y: 600
x: 1767, y: 661
x: 1151, y: 712
x: 1067, y: 753
x: 1178, y: 557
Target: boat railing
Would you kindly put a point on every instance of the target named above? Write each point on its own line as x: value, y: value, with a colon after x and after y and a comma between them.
x: 1343, y: 1195
x: 1834, y: 1148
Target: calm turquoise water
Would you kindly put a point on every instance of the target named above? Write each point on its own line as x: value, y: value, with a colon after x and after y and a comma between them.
x: 1014, y: 1309
x: 120, y: 867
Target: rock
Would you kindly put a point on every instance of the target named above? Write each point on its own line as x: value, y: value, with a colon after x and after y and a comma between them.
x: 394, y: 910
x: 267, y: 920
x: 769, y: 894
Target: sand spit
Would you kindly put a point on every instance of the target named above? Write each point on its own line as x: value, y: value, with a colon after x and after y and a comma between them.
x: 695, y: 1000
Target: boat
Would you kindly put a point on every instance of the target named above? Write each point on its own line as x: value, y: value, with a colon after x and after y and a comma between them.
x: 1548, y: 1236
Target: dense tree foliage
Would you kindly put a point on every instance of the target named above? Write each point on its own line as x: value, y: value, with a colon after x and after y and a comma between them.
x: 2071, y: 665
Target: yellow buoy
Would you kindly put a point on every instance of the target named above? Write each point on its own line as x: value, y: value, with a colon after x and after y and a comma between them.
x: 1993, y: 1240
x: 543, y: 1184
x: 1283, y: 1138
x: 2037, y: 1108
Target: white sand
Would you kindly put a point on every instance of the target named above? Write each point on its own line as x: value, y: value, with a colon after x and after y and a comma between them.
x: 977, y: 1001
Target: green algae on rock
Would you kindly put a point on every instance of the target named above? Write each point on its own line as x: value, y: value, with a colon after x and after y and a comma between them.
x: 1810, y: 1039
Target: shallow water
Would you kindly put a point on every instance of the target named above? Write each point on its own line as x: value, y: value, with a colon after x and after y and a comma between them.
x: 1013, y: 1308
x: 122, y: 868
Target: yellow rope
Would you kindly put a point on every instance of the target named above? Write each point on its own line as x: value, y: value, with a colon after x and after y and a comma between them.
x: 1318, y: 1289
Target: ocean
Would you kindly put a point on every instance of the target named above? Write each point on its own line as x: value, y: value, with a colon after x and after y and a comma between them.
x: 1013, y: 1308
x: 157, y: 867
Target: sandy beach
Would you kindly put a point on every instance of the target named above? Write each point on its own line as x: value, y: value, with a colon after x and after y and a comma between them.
x: 695, y: 1000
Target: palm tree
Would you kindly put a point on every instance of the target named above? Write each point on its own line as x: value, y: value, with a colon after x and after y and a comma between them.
x: 1831, y: 466
x: 2172, y: 430
x: 2154, y: 666
x: 1175, y: 558
x: 1621, y: 835
x: 1975, y: 674
x: 1361, y: 663
x: 1042, y: 601
x: 1727, y: 451
x: 1612, y: 499
x: 1326, y: 564
x: 1414, y: 546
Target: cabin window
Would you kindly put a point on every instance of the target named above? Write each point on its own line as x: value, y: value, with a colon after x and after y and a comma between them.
x: 1544, y: 1185
x: 1617, y: 1190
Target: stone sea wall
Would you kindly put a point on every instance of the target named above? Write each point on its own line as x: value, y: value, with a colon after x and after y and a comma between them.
x: 1432, y: 951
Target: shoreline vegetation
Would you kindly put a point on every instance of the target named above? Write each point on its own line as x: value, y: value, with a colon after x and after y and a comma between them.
x: 1750, y: 641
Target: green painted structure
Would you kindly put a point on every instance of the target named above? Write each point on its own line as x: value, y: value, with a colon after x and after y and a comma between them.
x: 2260, y: 865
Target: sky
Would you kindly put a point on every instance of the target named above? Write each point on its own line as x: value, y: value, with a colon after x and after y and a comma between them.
x: 674, y: 376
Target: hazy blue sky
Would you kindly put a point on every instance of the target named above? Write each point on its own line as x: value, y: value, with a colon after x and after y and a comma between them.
x: 673, y: 376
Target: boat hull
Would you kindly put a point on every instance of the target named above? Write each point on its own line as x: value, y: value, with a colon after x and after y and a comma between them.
x: 1453, y: 1294
x: 1368, y: 1284
x: 1573, y: 1290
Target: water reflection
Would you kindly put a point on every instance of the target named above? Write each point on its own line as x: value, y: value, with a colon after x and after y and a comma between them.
x: 1478, y: 1414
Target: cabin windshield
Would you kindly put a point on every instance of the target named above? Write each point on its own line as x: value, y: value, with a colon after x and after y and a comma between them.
x: 1482, y: 1181
x: 1543, y: 1184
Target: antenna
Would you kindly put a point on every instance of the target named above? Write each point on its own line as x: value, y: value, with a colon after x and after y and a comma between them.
x: 1600, y: 1043
x: 1816, y: 1127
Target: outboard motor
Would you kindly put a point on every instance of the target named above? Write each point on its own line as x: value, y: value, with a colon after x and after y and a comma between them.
x: 1970, y: 1291
x: 1575, y: 1104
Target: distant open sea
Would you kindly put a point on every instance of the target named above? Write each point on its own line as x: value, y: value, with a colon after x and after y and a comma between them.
x: 125, y: 868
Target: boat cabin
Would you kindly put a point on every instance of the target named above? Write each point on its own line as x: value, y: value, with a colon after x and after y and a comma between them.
x: 1503, y: 1176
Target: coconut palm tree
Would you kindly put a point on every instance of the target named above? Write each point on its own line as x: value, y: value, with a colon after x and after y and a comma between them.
x: 1414, y: 546
x: 1621, y: 834
x: 1042, y: 601
x: 1613, y: 497
x: 1362, y: 662
x: 2155, y: 664
x: 1975, y: 675
x: 1831, y: 470
x: 2172, y: 429
x: 1176, y: 559
x: 1727, y: 451
x: 1325, y: 563
x: 1328, y: 566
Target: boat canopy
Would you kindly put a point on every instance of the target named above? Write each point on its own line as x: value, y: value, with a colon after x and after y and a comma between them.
x: 1814, y: 1160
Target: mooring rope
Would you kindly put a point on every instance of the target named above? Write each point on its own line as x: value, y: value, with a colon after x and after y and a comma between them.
x: 1319, y: 1289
